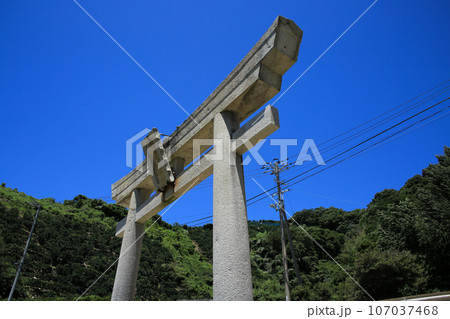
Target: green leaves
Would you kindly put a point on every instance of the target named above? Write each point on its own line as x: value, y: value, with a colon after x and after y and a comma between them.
x: 398, y: 246
x: 74, y: 244
x: 389, y: 273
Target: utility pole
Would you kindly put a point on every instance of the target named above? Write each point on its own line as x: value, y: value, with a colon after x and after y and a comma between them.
x: 291, y: 245
x: 275, y: 169
x: 25, y: 251
x: 283, y: 250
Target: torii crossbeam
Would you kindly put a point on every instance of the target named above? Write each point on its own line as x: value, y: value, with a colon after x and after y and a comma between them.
x: 216, y: 122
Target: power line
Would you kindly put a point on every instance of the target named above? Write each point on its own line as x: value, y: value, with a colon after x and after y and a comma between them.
x: 255, y: 198
x: 386, y: 120
x: 390, y: 118
x: 401, y: 109
x: 378, y: 142
x: 340, y: 142
x: 382, y: 132
x: 359, y: 144
x: 198, y: 220
x: 346, y: 158
x: 359, y: 152
x: 387, y: 112
x: 319, y: 245
x: 379, y: 123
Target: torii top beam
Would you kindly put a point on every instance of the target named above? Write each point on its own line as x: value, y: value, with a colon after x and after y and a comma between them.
x: 254, y: 81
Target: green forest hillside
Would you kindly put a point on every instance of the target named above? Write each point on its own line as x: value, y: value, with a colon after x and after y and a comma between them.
x: 398, y: 246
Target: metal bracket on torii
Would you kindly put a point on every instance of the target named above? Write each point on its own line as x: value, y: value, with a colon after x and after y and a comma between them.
x: 255, y: 80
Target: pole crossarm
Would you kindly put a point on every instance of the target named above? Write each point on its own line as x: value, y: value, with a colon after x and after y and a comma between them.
x: 260, y: 127
x: 253, y: 82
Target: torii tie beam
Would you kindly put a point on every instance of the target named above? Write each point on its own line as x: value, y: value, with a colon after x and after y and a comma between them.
x: 254, y: 81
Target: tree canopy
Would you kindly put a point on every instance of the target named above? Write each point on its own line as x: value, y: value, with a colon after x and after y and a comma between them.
x: 397, y: 246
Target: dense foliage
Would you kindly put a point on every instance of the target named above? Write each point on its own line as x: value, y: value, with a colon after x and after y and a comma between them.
x: 74, y: 244
x: 399, y: 245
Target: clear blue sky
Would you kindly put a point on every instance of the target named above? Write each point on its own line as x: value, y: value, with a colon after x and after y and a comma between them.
x: 70, y: 98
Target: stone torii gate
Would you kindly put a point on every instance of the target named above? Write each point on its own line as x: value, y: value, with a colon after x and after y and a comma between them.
x: 254, y: 81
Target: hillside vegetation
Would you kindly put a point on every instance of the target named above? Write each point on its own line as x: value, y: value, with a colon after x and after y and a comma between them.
x: 399, y: 245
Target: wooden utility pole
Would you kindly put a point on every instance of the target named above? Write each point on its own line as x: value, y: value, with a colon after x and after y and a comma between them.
x: 275, y: 169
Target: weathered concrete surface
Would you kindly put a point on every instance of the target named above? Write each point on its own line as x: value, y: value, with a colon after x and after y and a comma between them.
x: 130, y: 251
x: 137, y: 178
x: 260, y: 127
x: 254, y: 81
x: 232, y: 277
x: 157, y: 161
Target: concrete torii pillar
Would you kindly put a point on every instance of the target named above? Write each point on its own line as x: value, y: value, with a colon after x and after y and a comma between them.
x: 232, y: 275
x: 130, y: 251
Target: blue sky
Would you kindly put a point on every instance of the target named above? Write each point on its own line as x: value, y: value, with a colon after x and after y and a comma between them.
x: 70, y: 98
